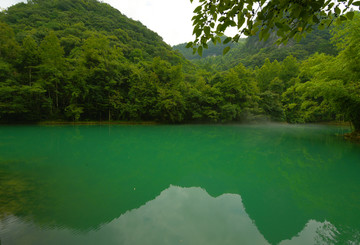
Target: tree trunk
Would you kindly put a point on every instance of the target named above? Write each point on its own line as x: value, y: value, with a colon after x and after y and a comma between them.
x: 50, y: 99
x: 56, y: 95
x: 354, y: 135
x: 30, y: 76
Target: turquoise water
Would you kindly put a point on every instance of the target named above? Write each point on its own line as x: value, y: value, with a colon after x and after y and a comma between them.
x: 189, y: 184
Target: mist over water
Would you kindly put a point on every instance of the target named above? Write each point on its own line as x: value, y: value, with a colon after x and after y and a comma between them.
x: 185, y: 184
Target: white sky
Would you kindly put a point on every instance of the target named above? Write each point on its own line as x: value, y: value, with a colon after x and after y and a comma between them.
x: 171, y: 19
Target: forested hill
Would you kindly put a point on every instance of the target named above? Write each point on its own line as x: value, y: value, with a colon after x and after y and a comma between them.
x: 82, y: 60
x: 211, y: 51
x: 74, y: 21
x: 252, y: 52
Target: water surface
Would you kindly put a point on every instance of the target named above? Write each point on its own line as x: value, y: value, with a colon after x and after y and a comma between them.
x: 202, y: 184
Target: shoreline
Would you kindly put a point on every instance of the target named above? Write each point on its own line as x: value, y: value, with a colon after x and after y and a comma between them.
x: 353, y: 137
x: 97, y: 123
x: 334, y: 123
x: 55, y: 123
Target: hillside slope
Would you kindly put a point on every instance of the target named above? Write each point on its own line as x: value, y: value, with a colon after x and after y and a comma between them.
x: 251, y: 52
x: 82, y: 59
x: 211, y: 51
x: 76, y: 20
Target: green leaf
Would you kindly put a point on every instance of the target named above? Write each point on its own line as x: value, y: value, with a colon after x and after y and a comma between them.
x: 241, y: 5
x: 232, y: 23
x: 212, y: 9
x: 286, y: 28
x: 338, y: 21
x: 260, y: 16
x: 315, y: 19
x: 200, y: 50
x: 350, y: 15
x: 343, y: 18
x: 278, y: 42
x: 261, y: 35
x: 241, y: 20
x: 356, y: 3
x: 218, y: 39
x: 189, y: 45
x: 236, y: 38
x: 266, y: 36
x: 321, y: 26
x: 207, y: 30
x: 223, y: 28
x: 203, y: 40
x: 215, y: 16
x: 196, y: 28
x: 249, y: 23
x: 198, y: 33
x: 226, y: 50
x: 198, y: 9
x: 227, y: 40
x: 337, y: 10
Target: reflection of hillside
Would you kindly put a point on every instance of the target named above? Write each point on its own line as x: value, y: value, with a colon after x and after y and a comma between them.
x: 181, y: 216
x: 89, y: 176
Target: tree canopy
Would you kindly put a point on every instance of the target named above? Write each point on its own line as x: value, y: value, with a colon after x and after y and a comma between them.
x: 289, y: 18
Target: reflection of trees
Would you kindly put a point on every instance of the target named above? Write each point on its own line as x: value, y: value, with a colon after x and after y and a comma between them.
x: 15, y: 192
x: 348, y: 234
x: 286, y: 176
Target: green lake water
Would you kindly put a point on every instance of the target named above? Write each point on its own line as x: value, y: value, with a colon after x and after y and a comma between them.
x: 188, y: 184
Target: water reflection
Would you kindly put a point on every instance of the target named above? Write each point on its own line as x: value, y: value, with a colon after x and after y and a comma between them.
x: 296, y: 184
x: 177, y: 216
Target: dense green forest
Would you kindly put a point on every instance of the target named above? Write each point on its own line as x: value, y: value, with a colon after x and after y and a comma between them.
x: 252, y: 52
x: 84, y: 60
x: 211, y: 51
